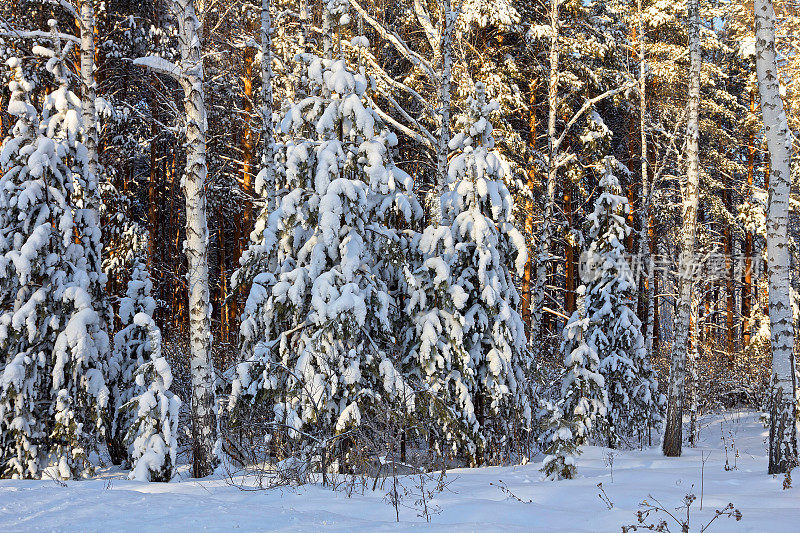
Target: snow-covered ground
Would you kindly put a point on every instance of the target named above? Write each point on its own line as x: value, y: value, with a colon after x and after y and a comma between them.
x: 473, y: 501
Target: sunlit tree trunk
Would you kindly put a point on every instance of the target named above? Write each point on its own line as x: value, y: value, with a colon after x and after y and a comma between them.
x: 442, y: 149
x: 645, y: 257
x: 782, y: 432
x: 673, y: 433
x: 526, y: 277
x: 747, y: 282
x: 196, y: 245
x: 545, y: 237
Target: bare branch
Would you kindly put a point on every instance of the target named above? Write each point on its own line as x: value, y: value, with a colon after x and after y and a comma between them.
x: 588, y: 105
x: 397, y: 42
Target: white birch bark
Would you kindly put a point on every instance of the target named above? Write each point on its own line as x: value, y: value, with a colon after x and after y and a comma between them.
x: 646, y: 260
x: 304, y: 25
x: 196, y: 245
x: 91, y: 194
x: 782, y: 433
x: 673, y: 433
x: 268, y: 155
x: 543, y: 255
x: 88, y: 84
x: 327, y: 32
x: 443, y: 141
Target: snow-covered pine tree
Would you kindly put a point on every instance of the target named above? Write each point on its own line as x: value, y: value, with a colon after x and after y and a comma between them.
x: 153, y: 411
x: 559, y: 443
x: 82, y: 345
x: 29, y: 207
x: 582, y: 407
x: 434, y: 351
x: 132, y: 350
x: 53, y: 385
x: 614, y: 329
x: 471, y: 347
x: 317, y: 315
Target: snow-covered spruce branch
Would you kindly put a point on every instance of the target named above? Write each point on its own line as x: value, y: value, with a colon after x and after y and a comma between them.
x: 66, y: 6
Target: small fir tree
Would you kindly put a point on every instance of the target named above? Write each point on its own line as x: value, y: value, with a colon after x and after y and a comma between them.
x: 131, y: 351
x: 317, y: 321
x: 469, y: 341
x: 582, y: 406
x: 152, y: 434
x: 27, y: 324
x: 53, y: 383
x: 634, y: 404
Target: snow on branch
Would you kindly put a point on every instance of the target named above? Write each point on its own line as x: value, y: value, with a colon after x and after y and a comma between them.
x: 399, y: 44
x: 408, y: 117
x: 434, y: 36
x: 588, y: 105
x: 38, y: 34
x: 159, y: 65
x: 389, y: 80
x: 66, y: 6
x: 404, y: 129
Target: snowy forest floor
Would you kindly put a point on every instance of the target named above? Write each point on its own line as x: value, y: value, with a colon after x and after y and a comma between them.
x: 472, y: 502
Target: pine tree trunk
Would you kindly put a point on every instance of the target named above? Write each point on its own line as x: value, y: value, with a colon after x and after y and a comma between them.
x: 196, y: 245
x: 673, y: 433
x: 747, y: 282
x: 247, y: 147
x: 152, y: 207
x: 782, y: 433
x: 526, y: 278
x: 224, y: 309
x: 570, y: 257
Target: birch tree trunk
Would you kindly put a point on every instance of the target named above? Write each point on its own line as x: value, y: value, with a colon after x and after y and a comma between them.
x: 646, y: 260
x: 327, y: 32
x: 673, y: 433
x: 196, y: 245
x: 543, y: 255
x: 88, y: 84
x: 91, y: 195
x: 267, y: 181
x: 442, y: 147
x: 782, y: 431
